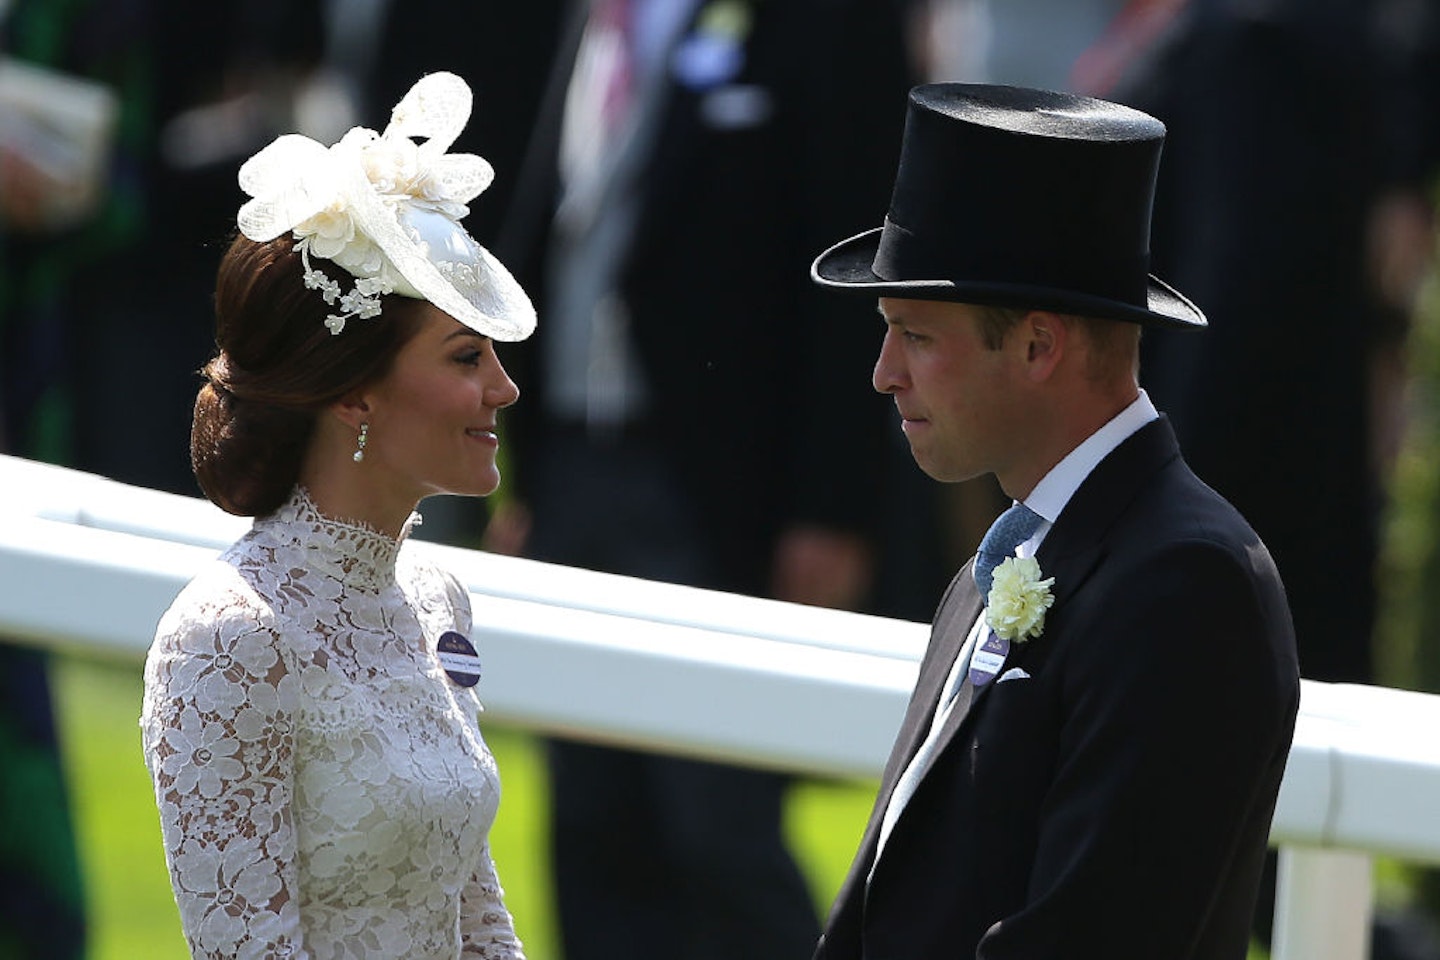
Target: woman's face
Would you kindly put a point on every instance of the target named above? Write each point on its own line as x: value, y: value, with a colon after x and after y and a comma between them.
x: 432, y: 418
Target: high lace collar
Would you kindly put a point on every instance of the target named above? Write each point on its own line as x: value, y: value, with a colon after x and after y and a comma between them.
x: 353, y: 552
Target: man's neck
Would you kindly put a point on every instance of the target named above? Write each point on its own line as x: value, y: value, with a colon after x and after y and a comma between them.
x: 1053, y: 491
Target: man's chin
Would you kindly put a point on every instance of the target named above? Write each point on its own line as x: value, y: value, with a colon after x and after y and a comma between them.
x: 944, y: 472
x: 935, y: 471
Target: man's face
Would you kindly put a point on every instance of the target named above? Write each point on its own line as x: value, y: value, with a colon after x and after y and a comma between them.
x: 958, y: 399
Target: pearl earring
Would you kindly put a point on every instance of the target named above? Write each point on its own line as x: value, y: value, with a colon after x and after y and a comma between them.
x: 360, y: 442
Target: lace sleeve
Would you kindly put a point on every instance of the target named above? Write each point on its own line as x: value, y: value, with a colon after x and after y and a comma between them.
x: 217, y: 730
x: 486, y: 930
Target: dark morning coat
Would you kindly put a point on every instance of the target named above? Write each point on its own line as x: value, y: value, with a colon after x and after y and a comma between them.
x: 761, y: 379
x: 1115, y: 804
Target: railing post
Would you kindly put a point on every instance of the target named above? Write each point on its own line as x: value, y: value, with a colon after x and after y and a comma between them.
x: 1324, y: 900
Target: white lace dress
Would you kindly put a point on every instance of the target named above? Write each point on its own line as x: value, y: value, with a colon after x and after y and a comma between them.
x: 323, y: 787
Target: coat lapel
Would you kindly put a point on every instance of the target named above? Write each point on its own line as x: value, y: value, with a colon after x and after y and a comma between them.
x: 957, y: 610
x: 952, y: 625
x: 1070, y: 553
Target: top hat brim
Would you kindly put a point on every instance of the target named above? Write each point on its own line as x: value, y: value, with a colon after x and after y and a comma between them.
x: 848, y: 265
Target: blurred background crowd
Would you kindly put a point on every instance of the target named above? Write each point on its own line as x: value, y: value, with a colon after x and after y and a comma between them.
x: 692, y: 410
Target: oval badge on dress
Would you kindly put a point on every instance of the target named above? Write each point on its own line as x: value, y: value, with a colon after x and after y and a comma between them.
x: 458, y: 657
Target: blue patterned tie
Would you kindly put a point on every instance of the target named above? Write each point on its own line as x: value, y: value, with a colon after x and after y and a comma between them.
x: 1010, y: 529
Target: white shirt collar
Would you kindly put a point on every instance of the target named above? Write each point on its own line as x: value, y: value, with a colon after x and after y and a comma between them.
x: 1056, y: 488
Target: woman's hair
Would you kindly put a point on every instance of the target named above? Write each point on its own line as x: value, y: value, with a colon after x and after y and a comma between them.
x: 277, y: 366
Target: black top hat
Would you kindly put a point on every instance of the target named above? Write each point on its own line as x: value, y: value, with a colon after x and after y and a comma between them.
x: 1021, y: 198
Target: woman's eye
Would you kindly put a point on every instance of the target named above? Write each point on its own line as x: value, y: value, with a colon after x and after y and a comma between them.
x: 469, y: 358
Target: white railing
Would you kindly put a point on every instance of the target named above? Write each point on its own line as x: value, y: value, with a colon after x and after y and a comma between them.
x: 89, y: 563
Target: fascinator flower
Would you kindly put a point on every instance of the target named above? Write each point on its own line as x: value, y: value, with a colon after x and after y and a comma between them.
x: 387, y: 209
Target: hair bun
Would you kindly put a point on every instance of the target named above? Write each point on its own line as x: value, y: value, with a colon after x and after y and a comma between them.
x: 245, y: 453
x: 217, y: 374
x: 277, y: 367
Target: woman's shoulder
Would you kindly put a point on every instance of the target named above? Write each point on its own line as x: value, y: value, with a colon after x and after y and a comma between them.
x: 218, y: 601
x: 216, y: 648
x: 434, y: 584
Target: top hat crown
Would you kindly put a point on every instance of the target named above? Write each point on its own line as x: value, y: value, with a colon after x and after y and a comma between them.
x: 1007, y: 196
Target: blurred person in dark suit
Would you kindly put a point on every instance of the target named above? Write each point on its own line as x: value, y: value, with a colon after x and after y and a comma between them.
x: 1266, y: 229
x: 219, y: 83
x: 65, y: 205
x: 1292, y: 198
x: 104, y: 319
x: 698, y: 413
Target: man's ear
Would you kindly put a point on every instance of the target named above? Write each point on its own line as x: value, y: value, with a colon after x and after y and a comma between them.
x: 1045, y: 338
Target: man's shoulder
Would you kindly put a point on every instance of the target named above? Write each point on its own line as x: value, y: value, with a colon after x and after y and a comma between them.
x: 1183, y: 540
x: 1178, y: 513
x: 1143, y: 493
x: 1181, y: 559
x: 1184, y: 500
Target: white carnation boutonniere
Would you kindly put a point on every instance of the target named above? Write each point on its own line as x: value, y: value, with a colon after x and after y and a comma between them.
x: 1015, y: 608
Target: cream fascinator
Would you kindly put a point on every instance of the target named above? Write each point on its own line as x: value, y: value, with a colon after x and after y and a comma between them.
x: 388, y: 210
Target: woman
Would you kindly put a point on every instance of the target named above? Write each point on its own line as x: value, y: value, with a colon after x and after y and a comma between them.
x: 310, y: 715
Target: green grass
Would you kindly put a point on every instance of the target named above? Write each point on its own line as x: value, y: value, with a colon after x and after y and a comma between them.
x: 132, y: 915
x: 130, y: 911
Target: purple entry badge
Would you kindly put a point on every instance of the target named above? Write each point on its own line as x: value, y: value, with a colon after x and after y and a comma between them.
x: 987, y: 659
x: 457, y: 655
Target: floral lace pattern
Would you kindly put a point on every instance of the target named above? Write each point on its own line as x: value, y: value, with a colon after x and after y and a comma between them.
x: 324, y: 790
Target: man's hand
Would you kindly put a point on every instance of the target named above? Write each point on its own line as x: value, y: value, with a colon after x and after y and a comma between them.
x: 25, y: 193
x: 822, y: 567
x: 508, y: 532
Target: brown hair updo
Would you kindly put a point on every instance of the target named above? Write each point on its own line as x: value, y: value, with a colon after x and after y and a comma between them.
x: 277, y: 365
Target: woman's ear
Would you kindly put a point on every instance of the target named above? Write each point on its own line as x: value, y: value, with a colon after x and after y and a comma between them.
x: 351, y: 410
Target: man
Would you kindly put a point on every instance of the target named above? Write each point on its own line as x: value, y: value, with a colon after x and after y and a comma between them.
x: 1103, y: 781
